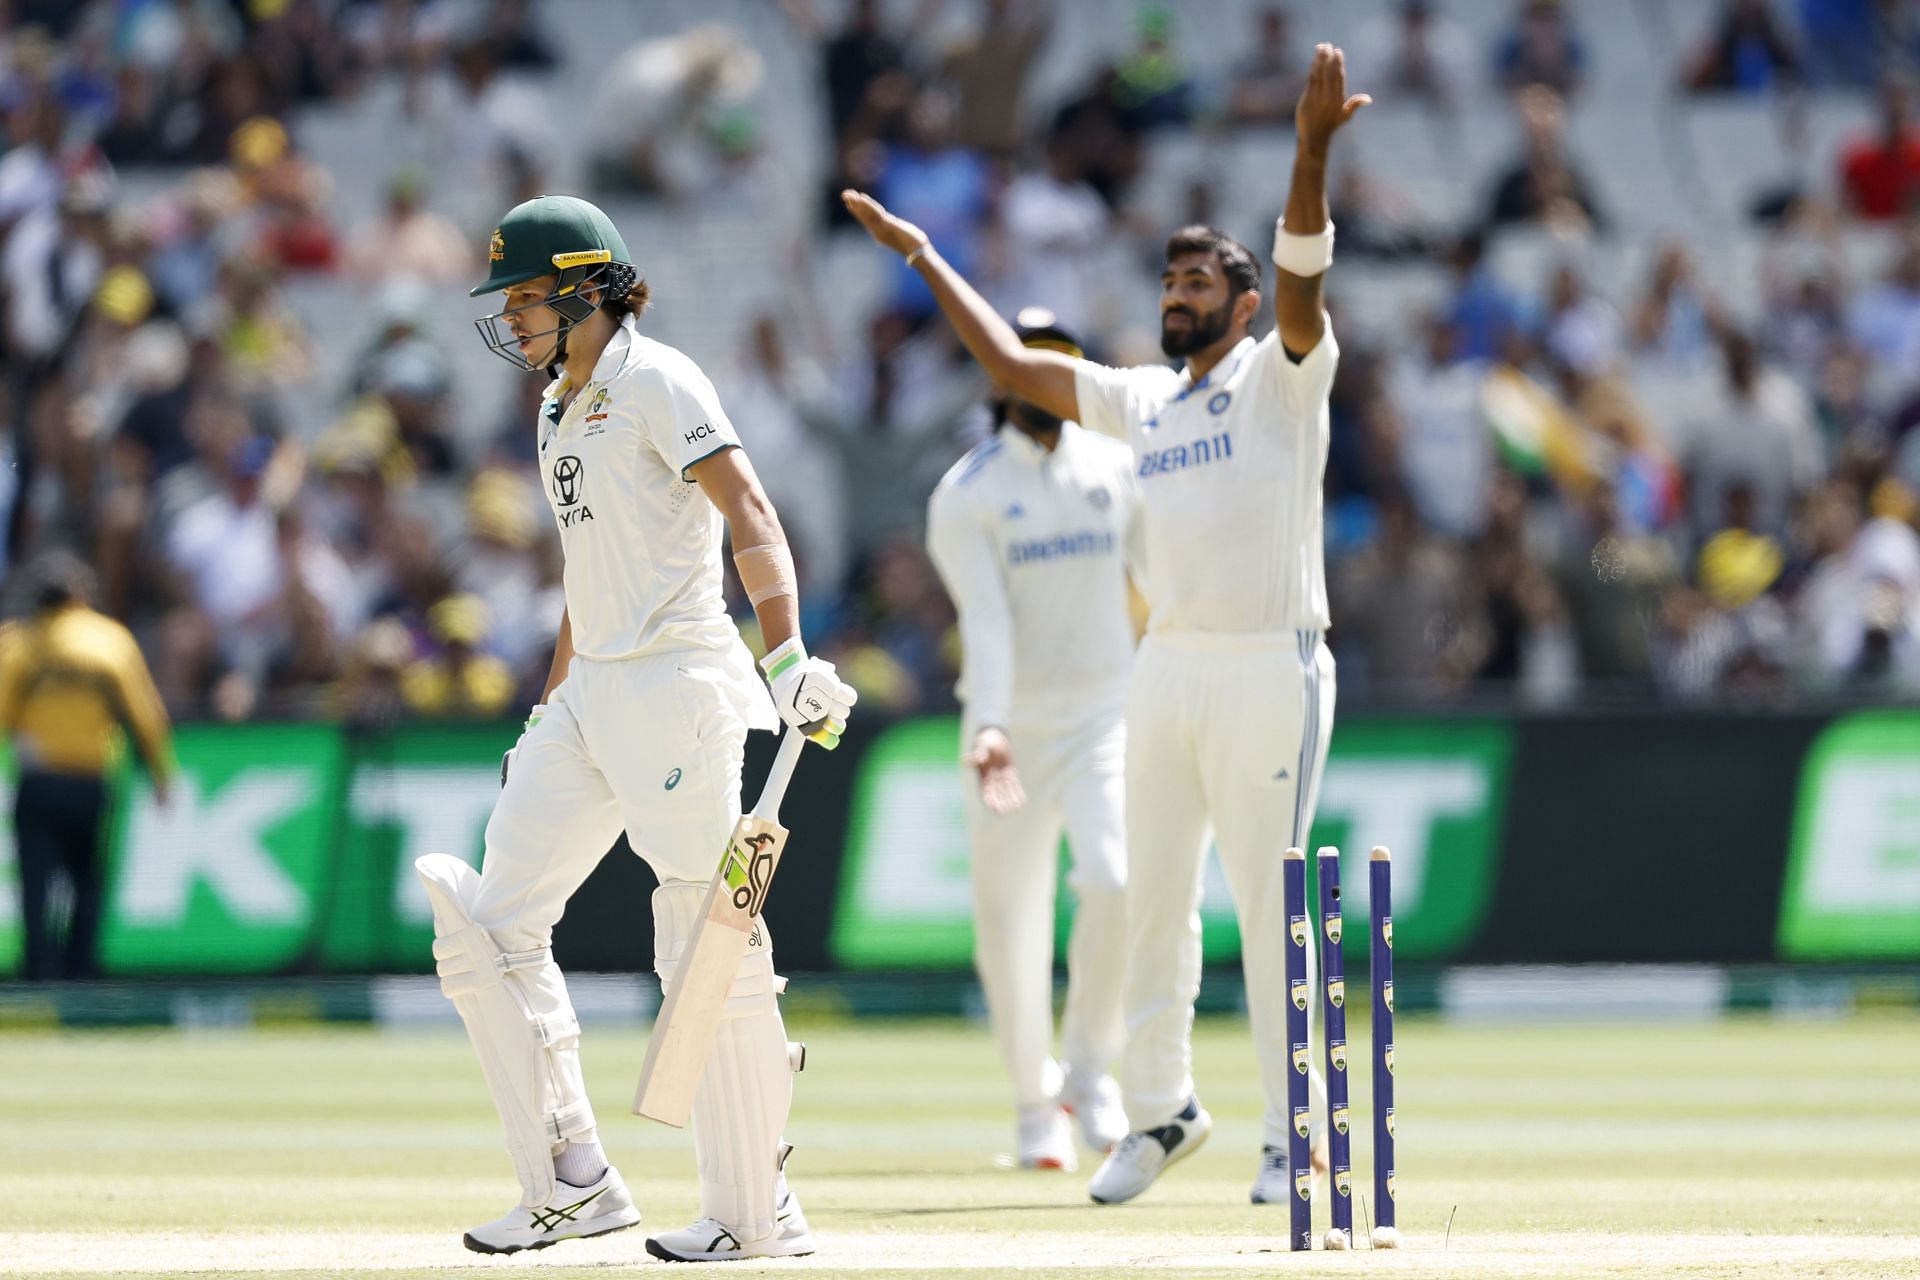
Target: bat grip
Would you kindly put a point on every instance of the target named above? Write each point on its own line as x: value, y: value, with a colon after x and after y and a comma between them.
x: 768, y: 807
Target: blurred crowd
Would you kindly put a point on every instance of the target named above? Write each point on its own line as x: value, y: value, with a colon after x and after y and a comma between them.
x: 1540, y: 490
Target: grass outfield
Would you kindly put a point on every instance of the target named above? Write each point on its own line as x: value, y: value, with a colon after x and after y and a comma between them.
x: 1750, y: 1147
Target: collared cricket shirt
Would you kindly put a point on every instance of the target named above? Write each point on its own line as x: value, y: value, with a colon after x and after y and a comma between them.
x: 1034, y: 548
x: 1230, y: 473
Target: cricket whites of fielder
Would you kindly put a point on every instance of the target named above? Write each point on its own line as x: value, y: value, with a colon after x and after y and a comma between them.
x: 1033, y: 533
x: 641, y: 730
x: 1231, y: 701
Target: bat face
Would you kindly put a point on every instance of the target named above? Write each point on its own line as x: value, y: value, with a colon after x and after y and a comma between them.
x: 746, y: 869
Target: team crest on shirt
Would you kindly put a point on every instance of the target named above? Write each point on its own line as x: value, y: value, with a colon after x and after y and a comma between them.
x: 597, y: 411
x: 1218, y: 405
x: 1100, y: 498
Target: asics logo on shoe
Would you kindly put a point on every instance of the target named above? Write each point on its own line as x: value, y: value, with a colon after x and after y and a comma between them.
x: 548, y: 1219
x: 713, y: 1245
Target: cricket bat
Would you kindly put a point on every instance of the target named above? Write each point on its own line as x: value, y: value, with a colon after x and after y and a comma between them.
x: 689, y: 1017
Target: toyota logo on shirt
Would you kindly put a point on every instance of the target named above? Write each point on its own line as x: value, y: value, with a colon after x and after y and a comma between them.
x: 566, y: 479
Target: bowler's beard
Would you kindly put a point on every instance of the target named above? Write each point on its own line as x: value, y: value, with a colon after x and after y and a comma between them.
x: 1202, y: 331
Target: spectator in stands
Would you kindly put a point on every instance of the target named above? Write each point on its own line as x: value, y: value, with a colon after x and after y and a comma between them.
x: 517, y: 40
x: 500, y: 566
x: 1884, y: 319
x: 131, y: 132
x: 938, y: 185
x: 1106, y: 133
x: 1483, y: 317
x: 1054, y: 231
x: 367, y: 696
x: 1542, y: 185
x: 1805, y: 315
x: 861, y: 53
x: 1672, y: 323
x: 1880, y: 175
x: 1746, y: 51
x: 1520, y: 631
x: 398, y: 35
x: 1542, y: 49
x: 990, y: 69
x: 1374, y: 218
x: 1841, y: 46
x: 1758, y: 435
x: 408, y: 239
x: 1266, y: 82
x: 52, y: 260
x: 1444, y: 452
x: 263, y: 342
x: 662, y: 107
x: 472, y: 126
x: 1406, y: 601
x: 1612, y: 578
x: 294, y: 232
x: 458, y: 681
x: 1155, y: 87
x: 1419, y: 55
x: 776, y: 385
x: 299, y: 51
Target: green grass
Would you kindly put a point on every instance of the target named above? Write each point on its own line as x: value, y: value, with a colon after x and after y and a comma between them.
x: 1744, y: 1147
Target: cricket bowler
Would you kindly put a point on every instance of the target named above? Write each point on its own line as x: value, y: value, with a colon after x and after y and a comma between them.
x: 1231, y: 701
x: 1033, y: 533
x: 646, y: 711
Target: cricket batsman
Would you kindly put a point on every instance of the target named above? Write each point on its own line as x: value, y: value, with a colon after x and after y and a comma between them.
x: 1033, y: 533
x: 1231, y: 700
x: 645, y: 715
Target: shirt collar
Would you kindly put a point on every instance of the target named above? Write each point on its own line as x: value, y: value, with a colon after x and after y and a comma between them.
x: 611, y: 357
x: 1228, y: 363
x: 1025, y: 448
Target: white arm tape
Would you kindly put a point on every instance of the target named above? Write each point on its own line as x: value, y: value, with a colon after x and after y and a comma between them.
x: 1302, y: 255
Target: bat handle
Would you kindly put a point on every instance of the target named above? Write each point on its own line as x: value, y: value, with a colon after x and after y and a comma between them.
x: 768, y: 807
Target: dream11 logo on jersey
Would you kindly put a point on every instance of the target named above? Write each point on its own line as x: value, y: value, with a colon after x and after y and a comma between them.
x: 568, y: 483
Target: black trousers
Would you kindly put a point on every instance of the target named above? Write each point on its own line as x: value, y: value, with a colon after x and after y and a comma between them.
x: 58, y: 821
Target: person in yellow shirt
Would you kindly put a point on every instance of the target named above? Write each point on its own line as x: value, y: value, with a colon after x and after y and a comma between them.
x: 73, y: 689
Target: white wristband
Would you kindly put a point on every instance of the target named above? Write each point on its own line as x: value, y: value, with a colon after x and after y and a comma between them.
x: 1302, y: 255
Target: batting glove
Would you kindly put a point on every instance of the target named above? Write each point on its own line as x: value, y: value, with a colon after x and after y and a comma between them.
x: 809, y: 695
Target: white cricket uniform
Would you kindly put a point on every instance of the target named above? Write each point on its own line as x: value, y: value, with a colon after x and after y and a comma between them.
x: 1034, y: 548
x: 645, y: 733
x: 1231, y: 702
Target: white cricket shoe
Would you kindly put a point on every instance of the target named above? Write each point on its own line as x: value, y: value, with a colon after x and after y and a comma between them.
x: 1094, y: 1102
x: 1272, y: 1184
x: 573, y: 1213
x: 711, y: 1241
x: 1046, y: 1138
x: 1142, y: 1154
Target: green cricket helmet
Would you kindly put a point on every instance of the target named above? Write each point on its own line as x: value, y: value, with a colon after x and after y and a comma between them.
x: 560, y: 236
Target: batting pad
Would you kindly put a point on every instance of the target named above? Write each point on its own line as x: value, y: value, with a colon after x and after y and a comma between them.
x: 746, y: 1090
x: 521, y: 1022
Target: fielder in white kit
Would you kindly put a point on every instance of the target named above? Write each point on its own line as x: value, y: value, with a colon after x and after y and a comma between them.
x: 1033, y: 533
x: 1231, y: 701
x: 646, y: 713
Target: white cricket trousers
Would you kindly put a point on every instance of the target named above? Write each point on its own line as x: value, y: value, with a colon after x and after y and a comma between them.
x: 649, y: 745
x: 1073, y: 777
x: 1228, y: 733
